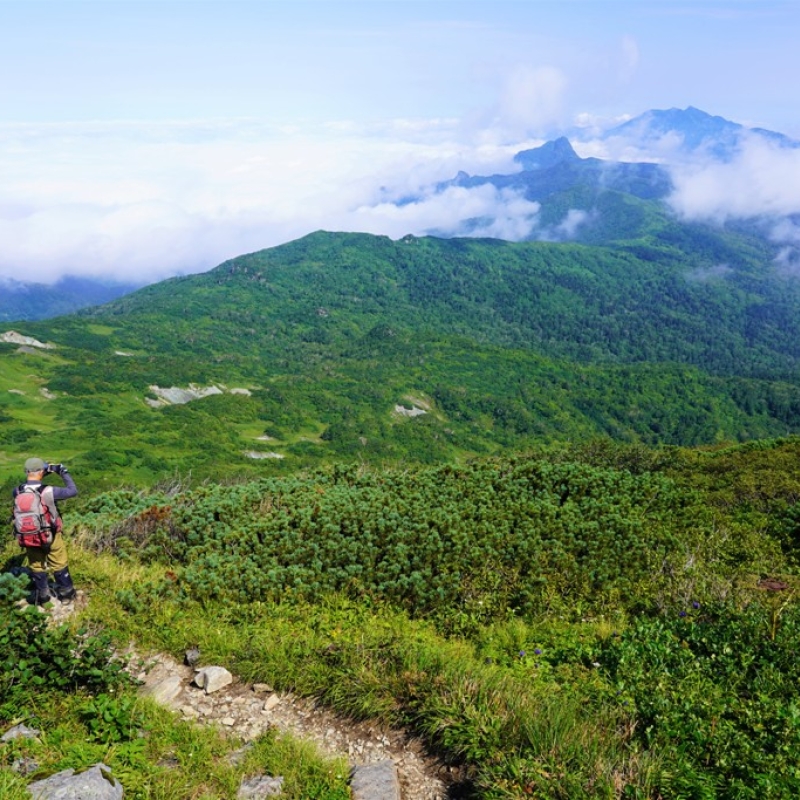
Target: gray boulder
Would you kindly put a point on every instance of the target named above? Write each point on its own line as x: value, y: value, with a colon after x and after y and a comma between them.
x: 164, y: 692
x: 375, y: 782
x: 212, y: 679
x: 95, y: 783
x: 19, y: 732
x: 260, y: 787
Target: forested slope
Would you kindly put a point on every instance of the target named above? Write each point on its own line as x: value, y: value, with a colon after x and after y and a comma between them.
x: 682, y: 294
x: 334, y: 345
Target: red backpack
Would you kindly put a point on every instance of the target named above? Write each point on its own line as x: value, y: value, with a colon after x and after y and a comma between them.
x: 36, y: 518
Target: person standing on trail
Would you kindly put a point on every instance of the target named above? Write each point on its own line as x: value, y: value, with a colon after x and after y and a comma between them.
x: 52, y: 556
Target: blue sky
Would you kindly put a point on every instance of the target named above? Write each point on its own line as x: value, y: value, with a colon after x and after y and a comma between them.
x: 141, y: 139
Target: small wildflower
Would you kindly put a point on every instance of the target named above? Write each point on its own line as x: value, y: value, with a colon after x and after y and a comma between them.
x: 682, y: 614
x: 695, y: 605
x: 522, y: 654
x: 538, y: 651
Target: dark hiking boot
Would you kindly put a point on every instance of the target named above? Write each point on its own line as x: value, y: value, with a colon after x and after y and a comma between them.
x: 41, y: 589
x: 65, y: 590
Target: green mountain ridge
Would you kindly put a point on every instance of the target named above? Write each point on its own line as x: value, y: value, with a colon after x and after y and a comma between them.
x: 652, y: 300
x: 319, y: 348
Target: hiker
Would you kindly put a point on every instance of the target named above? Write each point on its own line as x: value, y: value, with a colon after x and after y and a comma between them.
x: 53, y: 556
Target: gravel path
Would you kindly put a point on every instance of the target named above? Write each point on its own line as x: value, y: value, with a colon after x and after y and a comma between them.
x: 247, y: 710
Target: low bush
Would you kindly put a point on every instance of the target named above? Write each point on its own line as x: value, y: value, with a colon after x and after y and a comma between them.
x: 36, y: 657
x: 713, y: 691
x: 463, y: 545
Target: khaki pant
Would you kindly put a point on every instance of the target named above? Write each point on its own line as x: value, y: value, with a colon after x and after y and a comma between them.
x: 53, y: 560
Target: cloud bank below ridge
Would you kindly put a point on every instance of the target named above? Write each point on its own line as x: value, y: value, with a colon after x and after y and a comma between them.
x: 129, y: 202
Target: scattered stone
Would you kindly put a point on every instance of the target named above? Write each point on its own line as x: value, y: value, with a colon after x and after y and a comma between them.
x: 272, y: 701
x: 164, y: 692
x: 12, y: 337
x: 20, y: 731
x: 212, y: 679
x: 414, y: 411
x: 375, y: 782
x: 58, y: 612
x: 418, y: 773
x: 25, y: 766
x: 174, y: 395
x: 259, y: 787
x: 95, y: 783
x: 191, y: 656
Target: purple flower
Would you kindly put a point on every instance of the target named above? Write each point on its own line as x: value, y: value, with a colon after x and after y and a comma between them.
x: 682, y: 614
x: 522, y: 654
x: 695, y: 604
x: 538, y: 651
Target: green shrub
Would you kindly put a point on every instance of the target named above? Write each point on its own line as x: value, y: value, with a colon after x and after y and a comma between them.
x: 714, y: 694
x: 35, y: 656
x: 464, y: 545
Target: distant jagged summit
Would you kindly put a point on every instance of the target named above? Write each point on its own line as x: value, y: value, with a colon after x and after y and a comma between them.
x: 548, y: 155
x: 591, y: 199
x: 569, y: 191
x: 695, y: 129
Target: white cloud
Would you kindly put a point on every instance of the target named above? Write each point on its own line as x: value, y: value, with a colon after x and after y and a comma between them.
x: 762, y: 182
x: 763, y: 179
x: 787, y: 233
x: 480, y: 211
x: 575, y: 218
x: 788, y: 260
x: 709, y: 274
x: 138, y: 202
x: 144, y: 201
x: 531, y: 100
